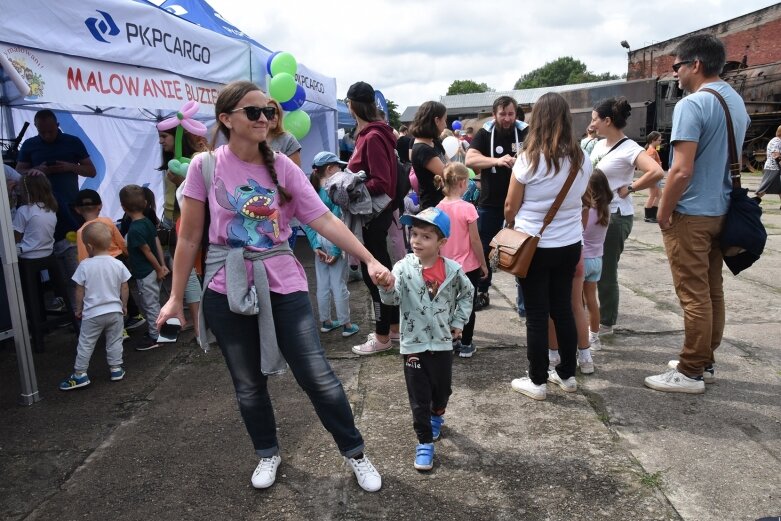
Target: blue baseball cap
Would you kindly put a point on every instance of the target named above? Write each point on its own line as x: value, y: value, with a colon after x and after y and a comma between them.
x: 430, y: 215
x: 326, y: 158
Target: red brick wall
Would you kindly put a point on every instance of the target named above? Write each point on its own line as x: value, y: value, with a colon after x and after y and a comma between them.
x: 759, y: 31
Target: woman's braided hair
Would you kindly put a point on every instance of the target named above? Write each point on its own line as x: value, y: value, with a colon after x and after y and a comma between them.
x: 227, y: 100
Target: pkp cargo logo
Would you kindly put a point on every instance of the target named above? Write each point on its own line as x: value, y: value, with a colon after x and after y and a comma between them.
x: 102, y: 27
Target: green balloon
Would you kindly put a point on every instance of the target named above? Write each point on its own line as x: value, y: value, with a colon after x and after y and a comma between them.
x: 471, y: 173
x: 282, y: 87
x: 283, y: 62
x: 297, y: 123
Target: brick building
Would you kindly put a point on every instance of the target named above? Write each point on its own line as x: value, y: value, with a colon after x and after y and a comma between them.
x: 756, y: 35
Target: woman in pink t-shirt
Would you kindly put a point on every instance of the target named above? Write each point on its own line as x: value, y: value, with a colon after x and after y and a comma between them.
x: 463, y: 245
x: 263, y: 319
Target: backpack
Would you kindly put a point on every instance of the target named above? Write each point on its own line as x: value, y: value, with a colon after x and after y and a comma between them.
x: 402, y: 184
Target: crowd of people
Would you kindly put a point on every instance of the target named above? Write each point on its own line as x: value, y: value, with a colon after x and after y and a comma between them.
x: 423, y: 251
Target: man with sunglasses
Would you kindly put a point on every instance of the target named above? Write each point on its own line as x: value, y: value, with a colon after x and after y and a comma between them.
x: 693, y: 206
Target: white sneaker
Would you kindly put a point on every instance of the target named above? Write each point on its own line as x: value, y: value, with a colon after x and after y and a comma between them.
x: 368, y: 477
x: 674, y: 382
x: 585, y: 362
x: 527, y: 387
x: 570, y: 385
x: 266, y: 472
x: 372, y: 346
x: 593, y: 341
x: 554, y: 359
x: 708, y: 375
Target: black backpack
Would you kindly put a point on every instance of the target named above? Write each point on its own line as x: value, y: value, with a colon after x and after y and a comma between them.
x: 402, y: 184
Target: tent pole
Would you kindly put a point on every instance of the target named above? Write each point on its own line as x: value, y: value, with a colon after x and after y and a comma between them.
x: 10, y: 266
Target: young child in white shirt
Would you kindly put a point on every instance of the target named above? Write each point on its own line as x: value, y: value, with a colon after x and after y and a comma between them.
x: 101, y: 303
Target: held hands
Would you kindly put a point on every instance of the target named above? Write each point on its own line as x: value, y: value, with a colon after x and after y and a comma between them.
x: 457, y: 333
x: 381, y: 275
x: 57, y: 168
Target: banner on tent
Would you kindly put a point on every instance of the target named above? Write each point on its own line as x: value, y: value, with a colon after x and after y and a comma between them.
x: 67, y: 79
x: 118, y: 31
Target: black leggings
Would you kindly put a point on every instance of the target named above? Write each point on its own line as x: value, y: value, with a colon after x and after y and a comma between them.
x: 375, y: 236
x: 469, y: 328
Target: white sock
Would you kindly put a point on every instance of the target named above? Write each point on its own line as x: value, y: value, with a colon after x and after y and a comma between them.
x: 553, y: 354
x: 584, y: 355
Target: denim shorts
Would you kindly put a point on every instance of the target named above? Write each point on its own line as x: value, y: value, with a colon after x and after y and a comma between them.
x: 593, y: 269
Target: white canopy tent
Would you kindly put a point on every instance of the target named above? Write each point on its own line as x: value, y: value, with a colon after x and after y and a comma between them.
x: 111, y: 69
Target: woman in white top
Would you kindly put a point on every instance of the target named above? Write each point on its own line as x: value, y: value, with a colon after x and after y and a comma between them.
x: 618, y: 157
x: 550, y: 155
x: 771, y: 184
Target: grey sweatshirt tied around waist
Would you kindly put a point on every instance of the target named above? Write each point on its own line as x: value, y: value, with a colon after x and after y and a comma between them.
x: 245, y: 299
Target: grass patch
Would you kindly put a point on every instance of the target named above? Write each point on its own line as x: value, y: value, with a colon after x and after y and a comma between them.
x: 652, y: 480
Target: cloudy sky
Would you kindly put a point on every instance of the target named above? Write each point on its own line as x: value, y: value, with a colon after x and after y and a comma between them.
x: 413, y: 50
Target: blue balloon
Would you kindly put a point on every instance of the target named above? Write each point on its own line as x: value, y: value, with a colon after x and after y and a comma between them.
x: 270, y: 59
x: 456, y: 125
x: 296, y: 101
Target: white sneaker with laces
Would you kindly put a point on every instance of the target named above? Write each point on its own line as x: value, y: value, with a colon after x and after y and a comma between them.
x: 266, y: 472
x: 585, y: 362
x: 368, y: 477
x: 708, y: 375
x: 528, y: 388
x: 593, y: 340
x: 570, y: 385
x: 674, y: 382
x: 605, y: 330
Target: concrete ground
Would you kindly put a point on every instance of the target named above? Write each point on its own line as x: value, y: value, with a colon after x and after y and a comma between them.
x: 167, y: 442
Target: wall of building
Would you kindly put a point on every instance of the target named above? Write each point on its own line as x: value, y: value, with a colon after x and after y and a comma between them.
x: 756, y: 35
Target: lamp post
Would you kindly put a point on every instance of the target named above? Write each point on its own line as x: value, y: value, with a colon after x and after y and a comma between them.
x: 625, y: 45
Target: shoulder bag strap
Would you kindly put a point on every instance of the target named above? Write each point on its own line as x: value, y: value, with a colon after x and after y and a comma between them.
x: 733, y: 161
x: 557, y: 202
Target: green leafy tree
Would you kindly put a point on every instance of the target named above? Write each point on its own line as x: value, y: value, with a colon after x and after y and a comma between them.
x: 562, y: 71
x: 393, y: 114
x: 467, y: 87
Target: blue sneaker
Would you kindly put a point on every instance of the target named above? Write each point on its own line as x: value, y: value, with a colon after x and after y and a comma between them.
x: 467, y: 350
x: 350, y: 331
x: 424, y: 456
x: 328, y: 326
x: 117, y: 373
x: 436, y: 426
x: 74, y: 382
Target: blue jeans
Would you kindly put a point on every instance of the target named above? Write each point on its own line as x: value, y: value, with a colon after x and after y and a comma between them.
x: 489, y: 222
x: 299, y: 341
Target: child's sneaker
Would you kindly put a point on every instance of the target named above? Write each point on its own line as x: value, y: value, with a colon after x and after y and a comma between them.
x: 570, y: 385
x: 554, y: 359
x: 125, y: 336
x: 585, y: 362
x: 117, y: 373
x: 368, y: 477
x: 134, y: 322
x: 147, y: 343
x: 593, y: 341
x: 437, y: 421
x: 328, y: 326
x: 528, y: 388
x: 266, y: 472
x: 74, y: 381
x: 467, y: 350
x: 424, y: 456
x: 350, y: 331
x: 372, y: 346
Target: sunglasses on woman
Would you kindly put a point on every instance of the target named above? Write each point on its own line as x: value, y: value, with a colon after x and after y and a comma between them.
x: 253, y: 113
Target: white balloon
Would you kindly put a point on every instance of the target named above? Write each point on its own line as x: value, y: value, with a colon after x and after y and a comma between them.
x: 450, y: 144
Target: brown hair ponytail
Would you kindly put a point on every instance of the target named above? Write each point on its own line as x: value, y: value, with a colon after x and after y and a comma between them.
x: 268, y: 160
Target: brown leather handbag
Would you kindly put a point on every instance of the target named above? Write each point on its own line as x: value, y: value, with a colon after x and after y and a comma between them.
x: 512, y: 251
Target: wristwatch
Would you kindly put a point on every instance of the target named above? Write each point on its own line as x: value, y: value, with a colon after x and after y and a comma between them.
x: 630, y: 189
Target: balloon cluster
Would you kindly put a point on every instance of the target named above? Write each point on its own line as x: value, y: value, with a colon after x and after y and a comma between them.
x: 291, y: 96
x: 182, y: 120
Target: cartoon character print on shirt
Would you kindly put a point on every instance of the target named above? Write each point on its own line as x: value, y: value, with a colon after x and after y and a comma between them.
x: 255, y: 220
